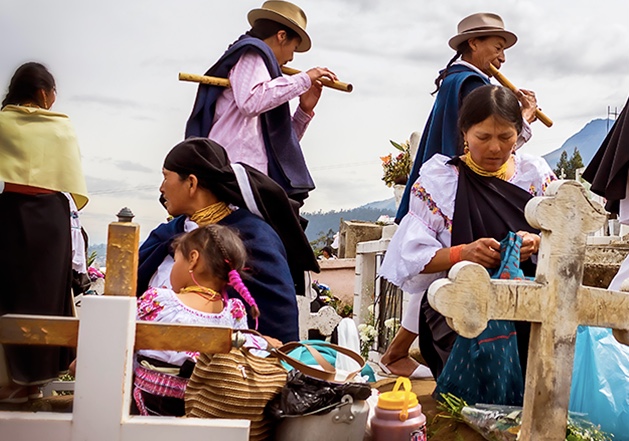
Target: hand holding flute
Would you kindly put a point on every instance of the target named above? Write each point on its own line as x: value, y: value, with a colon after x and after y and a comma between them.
x: 525, y: 96
x: 224, y: 82
x: 317, y: 75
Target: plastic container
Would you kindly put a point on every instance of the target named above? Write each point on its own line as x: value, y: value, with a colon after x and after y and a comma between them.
x: 398, y: 416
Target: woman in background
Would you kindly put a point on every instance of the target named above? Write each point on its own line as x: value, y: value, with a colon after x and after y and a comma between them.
x: 41, y: 184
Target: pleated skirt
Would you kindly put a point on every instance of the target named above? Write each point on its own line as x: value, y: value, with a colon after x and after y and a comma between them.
x: 35, y: 277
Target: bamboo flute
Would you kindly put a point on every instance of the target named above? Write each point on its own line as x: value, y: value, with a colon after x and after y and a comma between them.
x: 224, y: 82
x: 509, y: 85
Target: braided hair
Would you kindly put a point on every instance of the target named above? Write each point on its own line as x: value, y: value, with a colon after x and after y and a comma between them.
x: 224, y: 265
x: 462, y: 49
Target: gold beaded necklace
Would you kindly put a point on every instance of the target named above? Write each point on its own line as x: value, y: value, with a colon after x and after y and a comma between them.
x: 211, y: 215
x: 207, y: 293
x: 501, y: 173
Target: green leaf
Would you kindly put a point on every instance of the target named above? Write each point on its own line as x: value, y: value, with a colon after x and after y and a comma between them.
x: 396, y: 145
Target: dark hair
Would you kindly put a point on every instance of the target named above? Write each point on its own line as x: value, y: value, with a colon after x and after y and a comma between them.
x: 264, y: 28
x: 462, y: 49
x: 487, y: 101
x: 219, y: 246
x: 27, y: 80
x: 224, y: 264
x: 327, y: 249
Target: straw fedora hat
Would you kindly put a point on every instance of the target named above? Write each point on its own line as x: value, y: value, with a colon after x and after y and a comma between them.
x: 287, y: 14
x: 482, y: 24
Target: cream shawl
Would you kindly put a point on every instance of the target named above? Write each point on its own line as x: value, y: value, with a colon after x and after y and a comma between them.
x: 39, y: 148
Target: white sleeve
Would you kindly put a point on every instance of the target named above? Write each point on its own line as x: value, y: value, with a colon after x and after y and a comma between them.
x: 79, y: 260
x: 533, y: 174
x: 423, y: 231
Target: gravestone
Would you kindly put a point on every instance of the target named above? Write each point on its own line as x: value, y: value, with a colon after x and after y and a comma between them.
x: 324, y: 320
x: 555, y: 303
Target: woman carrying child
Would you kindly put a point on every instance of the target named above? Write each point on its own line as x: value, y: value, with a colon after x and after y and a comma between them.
x: 206, y: 261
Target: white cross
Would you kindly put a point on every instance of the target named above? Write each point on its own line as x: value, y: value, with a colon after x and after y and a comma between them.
x: 555, y: 303
x: 106, y: 346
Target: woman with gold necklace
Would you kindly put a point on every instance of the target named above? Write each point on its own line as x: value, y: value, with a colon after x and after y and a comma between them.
x: 460, y: 209
x: 201, y: 187
x: 206, y: 261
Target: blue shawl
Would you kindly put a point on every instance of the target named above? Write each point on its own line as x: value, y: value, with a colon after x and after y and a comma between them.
x: 441, y: 134
x: 268, y: 276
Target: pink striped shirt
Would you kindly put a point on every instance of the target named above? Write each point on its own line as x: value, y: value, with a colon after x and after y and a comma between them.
x: 253, y: 92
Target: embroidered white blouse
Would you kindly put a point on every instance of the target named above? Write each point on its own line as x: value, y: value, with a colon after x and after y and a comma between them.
x: 428, y: 225
x: 163, y: 305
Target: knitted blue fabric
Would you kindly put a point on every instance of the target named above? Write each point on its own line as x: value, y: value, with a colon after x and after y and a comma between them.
x: 486, y: 369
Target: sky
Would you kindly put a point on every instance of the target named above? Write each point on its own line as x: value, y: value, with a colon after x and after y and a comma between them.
x: 116, y: 65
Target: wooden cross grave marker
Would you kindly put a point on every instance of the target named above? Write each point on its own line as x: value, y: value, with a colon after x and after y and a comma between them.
x: 107, y: 336
x: 555, y: 303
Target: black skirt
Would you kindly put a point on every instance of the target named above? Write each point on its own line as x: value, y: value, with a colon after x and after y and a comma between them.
x: 35, y: 276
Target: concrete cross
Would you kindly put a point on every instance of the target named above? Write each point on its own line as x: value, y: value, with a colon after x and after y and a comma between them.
x: 324, y: 320
x: 108, y: 336
x: 555, y: 303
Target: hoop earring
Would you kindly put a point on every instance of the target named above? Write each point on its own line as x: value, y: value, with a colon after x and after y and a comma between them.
x: 466, y: 147
x: 193, y: 278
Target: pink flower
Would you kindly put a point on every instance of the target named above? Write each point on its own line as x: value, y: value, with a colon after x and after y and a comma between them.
x: 94, y: 273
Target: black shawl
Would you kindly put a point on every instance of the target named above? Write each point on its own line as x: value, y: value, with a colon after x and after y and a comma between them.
x: 208, y: 161
x: 484, y: 207
x: 608, y: 169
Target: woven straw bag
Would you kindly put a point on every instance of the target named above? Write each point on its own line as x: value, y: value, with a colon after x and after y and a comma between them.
x: 236, y: 385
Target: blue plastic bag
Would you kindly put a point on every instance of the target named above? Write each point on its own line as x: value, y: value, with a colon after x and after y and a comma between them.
x: 600, y: 381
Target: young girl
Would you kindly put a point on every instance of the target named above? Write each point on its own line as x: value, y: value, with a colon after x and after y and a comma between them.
x: 206, y: 261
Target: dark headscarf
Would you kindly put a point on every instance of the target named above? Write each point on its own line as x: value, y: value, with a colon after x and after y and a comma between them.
x: 608, y: 169
x: 208, y: 161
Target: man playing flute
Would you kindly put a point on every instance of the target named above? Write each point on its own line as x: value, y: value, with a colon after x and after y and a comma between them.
x: 252, y: 119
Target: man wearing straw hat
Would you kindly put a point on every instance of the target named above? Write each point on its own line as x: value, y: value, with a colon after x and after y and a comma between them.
x: 481, y: 40
x: 252, y: 119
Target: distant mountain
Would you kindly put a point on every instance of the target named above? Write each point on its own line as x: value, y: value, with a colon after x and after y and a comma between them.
x: 101, y: 253
x: 385, y: 205
x: 587, y: 141
x: 322, y: 222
